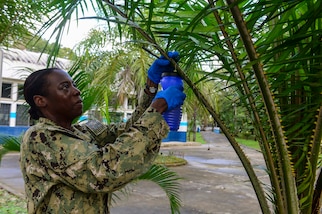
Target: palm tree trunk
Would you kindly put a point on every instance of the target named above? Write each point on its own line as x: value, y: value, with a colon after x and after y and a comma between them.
x: 290, y: 194
x: 257, y: 122
x: 243, y: 158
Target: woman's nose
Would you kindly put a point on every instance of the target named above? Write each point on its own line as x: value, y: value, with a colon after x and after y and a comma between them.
x: 77, y: 91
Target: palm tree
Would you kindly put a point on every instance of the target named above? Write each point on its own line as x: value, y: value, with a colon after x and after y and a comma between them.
x: 259, y: 45
x: 269, y: 51
x: 19, y: 19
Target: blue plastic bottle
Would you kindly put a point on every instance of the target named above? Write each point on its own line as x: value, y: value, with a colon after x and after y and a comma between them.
x: 173, y: 117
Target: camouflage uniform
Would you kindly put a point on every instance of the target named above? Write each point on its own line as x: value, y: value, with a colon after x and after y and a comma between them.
x: 75, y: 171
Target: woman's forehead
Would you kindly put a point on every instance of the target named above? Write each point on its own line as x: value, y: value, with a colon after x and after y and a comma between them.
x: 59, y: 75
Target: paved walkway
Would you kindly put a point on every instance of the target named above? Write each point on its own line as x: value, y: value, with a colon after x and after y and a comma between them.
x: 214, y: 181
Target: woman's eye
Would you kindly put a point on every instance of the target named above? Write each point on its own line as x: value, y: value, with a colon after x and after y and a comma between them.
x: 65, y: 86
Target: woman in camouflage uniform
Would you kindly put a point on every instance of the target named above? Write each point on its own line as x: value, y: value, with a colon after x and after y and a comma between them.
x: 69, y: 168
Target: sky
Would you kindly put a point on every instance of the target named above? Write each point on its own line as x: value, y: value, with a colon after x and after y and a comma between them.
x: 78, y: 30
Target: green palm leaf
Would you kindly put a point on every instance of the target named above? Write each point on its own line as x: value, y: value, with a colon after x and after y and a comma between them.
x: 8, y: 144
x: 168, y: 181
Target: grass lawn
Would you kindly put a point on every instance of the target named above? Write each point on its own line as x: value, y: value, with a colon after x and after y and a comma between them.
x: 249, y: 143
x: 170, y: 160
x: 200, y: 139
x: 246, y: 142
x: 11, y: 204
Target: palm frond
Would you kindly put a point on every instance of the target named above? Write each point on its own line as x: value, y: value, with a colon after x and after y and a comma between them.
x: 8, y: 144
x: 168, y: 181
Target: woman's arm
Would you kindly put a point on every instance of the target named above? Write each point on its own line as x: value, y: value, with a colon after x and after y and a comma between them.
x: 61, y: 158
x: 105, y: 134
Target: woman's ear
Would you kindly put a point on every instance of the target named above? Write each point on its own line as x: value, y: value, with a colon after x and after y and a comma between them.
x: 40, y: 101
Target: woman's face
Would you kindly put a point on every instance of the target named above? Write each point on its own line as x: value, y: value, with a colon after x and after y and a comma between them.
x: 63, y: 101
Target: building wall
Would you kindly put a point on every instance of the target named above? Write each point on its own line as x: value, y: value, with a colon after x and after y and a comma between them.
x: 15, y: 66
x: 10, y: 118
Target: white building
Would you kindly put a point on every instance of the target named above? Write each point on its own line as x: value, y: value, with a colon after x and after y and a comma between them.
x: 15, y: 66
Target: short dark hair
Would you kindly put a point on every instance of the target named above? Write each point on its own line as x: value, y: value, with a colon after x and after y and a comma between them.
x: 35, y: 84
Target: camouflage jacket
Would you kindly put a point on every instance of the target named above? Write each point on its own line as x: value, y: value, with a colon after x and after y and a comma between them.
x: 75, y: 171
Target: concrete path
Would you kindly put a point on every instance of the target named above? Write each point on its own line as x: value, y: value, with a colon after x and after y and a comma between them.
x: 10, y: 174
x: 214, y: 181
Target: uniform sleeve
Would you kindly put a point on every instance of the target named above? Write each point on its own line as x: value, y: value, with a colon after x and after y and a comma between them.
x: 88, y: 168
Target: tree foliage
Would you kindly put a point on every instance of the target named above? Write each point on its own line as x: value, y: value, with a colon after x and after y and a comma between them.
x: 19, y: 19
x: 268, y: 52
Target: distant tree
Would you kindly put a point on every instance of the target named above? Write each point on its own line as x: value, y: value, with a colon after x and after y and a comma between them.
x: 38, y: 44
x: 19, y: 19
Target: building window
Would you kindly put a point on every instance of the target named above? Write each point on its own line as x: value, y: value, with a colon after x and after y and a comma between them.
x: 4, y: 114
x: 22, y: 118
x: 20, y: 92
x: 6, y: 90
